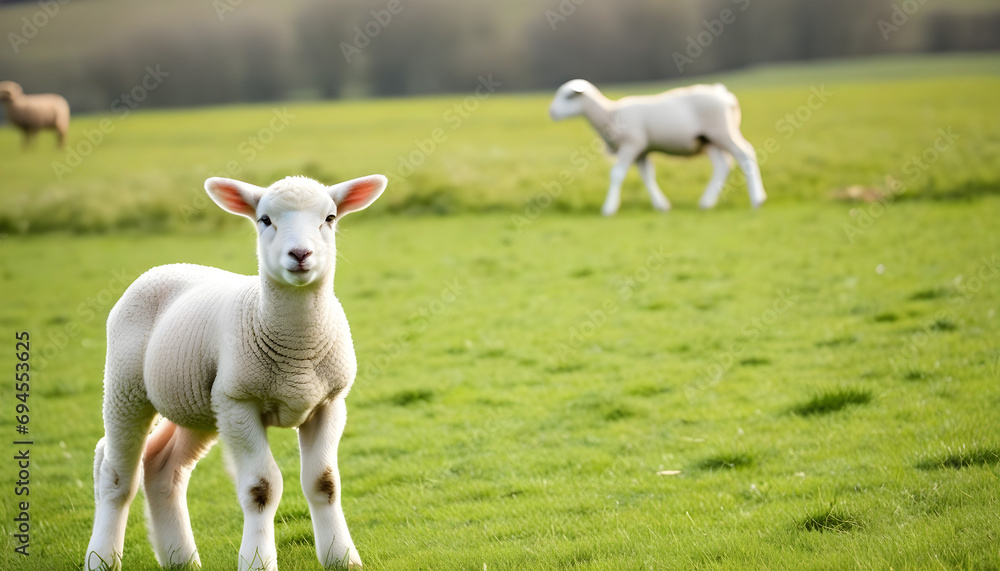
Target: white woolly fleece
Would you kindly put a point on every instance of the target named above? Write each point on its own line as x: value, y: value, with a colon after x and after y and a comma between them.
x: 189, y: 338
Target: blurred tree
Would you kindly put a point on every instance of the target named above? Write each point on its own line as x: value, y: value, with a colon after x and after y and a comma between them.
x: 972, y: 31
x: 321, y: 27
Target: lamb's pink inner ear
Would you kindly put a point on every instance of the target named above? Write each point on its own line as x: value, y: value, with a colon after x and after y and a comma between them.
x: 359, y: 193
x: 229, y: 195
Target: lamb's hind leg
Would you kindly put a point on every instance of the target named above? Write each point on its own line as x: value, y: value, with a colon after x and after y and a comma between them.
x: 318, y: 439
x: 116, y: 472
x: 171, y: 453
x: 648, y: 173
x: 721, y: 164
x: 746, y: 157
x: 29, y: 137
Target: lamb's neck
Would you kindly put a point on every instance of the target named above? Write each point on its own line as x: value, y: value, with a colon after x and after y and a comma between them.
x: 598, y: 109
x: 297, y: 317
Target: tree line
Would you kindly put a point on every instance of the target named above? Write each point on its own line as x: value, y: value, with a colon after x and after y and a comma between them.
x: 229, y: 51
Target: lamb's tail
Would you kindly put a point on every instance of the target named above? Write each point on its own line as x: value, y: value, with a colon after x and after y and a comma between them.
x: 735, y: 113
x: 98, y: 460
x: 157, y: 444
x: 172, y: 448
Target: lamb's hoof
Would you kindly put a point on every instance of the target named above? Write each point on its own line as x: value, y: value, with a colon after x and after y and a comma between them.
x: 662, y: 206
x: 608, y: 210
x: 354, y: 559
x: 349, y: 560
x: 96, y: 562
x: 757, y: 203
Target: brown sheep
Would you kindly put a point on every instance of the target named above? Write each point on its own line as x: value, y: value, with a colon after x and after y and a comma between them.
x: 32, y: 113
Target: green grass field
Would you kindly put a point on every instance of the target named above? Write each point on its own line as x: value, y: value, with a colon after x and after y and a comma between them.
x: 824, y: 375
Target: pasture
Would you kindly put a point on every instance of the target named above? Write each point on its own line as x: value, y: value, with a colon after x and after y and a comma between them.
x: 815, y: 384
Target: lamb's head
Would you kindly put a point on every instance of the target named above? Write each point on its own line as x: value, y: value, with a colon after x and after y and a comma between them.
x: 9, y: 91
x: 296, y: 220
x: 569, y: 99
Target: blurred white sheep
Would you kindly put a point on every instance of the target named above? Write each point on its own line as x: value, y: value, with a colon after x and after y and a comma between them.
x: 684, y: 121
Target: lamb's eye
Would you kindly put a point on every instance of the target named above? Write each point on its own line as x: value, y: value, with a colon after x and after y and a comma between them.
x: 331, y: 218
x: 265, y: 220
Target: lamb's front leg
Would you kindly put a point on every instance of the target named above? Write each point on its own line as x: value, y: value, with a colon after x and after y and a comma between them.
x: 627, y: 155
x: 318, y: 440
x: 258, y: 482
x: 648, y: 173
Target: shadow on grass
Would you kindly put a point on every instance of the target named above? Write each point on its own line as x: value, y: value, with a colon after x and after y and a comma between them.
x: 831, y: 520
x: 963, y: 458
x: 886, y: 317
x: 965, y: 191
x: 726, y: 461
x: 566, y: 368
x: 618, y: 412
x: 838, y: 341
x: 833, y: 401
x: 928, y: 294
x: 944, y: 324
x: 916, y: 374
x: 411, y: 396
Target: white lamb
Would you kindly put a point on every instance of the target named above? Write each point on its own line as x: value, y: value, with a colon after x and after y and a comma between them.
x: 224, y: 355
x: 683, y: 121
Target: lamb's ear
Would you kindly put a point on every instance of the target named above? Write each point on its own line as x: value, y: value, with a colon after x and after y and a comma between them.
x: 235, y: 196
x: 357, y: 194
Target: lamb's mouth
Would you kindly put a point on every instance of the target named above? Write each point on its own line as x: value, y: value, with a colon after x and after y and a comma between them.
x: 298, y: 276
x: 300, y: 271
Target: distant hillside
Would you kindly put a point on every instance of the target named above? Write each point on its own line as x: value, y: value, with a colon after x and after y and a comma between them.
x: 144, y: 171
